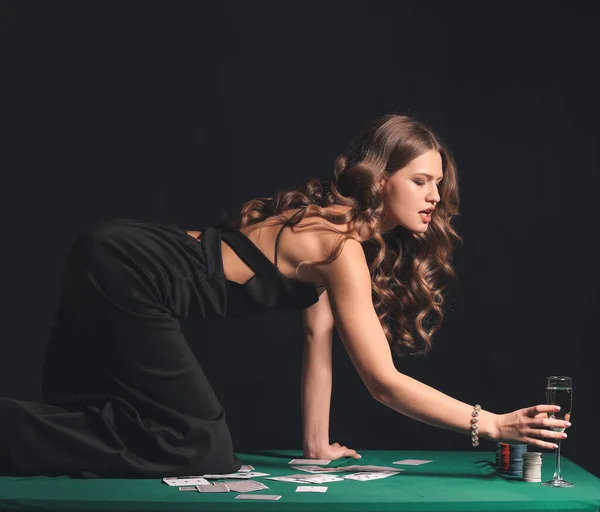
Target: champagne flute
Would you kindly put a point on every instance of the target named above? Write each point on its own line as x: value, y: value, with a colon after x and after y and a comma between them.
x: 559, y: 391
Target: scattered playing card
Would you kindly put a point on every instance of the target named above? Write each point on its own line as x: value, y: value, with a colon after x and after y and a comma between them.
x: 318, y: 469
x: 321, y: 479
x: 188, y: 488
x: 310, y: 488
x: 312, y: 462
x: 257, y: 497
x: 244, y: 485
x: 372, y: 469
x: 185, y: 480
x: 213, y: 488
x: 412, y: 462
x: 236, y: 488
x: 290, y: 479
x: 363, y: 477
x: 246, y: 468
x: 248, y: 474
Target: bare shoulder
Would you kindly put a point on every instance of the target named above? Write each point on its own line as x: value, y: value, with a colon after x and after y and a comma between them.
x: 315, y: 239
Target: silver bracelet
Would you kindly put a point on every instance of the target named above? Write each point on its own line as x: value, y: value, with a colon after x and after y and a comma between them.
x: 474, y: 427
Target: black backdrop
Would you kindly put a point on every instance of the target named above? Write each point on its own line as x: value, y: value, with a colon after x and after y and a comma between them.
x: 181, y: 111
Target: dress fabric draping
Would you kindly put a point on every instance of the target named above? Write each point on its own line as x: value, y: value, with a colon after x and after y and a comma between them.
x: 124, y: 395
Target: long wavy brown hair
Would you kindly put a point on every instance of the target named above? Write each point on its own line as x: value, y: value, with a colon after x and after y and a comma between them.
x: 409, y: 270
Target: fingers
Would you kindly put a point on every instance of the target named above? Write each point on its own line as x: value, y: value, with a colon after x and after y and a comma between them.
x: 539, y: 427
x: 344, y: 451
x: 351, y: 453
x: 548, y: 423
x: 540, y: 443
x: 541, y: 408
x: 544, y: 433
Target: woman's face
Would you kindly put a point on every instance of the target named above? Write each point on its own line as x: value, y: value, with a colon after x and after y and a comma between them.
x: 412, y: 190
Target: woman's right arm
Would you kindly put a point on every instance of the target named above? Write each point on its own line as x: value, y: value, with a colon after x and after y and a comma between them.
x: 315, y: 395
x: 349, y: 288
x: 317, y: 383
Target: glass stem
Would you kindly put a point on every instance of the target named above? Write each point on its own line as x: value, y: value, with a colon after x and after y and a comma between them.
x: 557, y: 475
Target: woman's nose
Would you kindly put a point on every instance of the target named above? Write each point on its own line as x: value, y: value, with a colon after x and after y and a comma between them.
x: 433, y: 194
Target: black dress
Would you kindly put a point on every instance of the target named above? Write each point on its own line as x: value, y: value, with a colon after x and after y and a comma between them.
x: 124, y: 394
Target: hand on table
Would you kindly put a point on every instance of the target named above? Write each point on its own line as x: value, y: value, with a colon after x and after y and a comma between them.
x: 528, y: 425
x: 332, y: 452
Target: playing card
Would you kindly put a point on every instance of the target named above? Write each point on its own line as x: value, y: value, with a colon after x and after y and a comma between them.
x: 246, y: 468
x: 289, y: 479
x: 257, y: 497
x: 248, y: 474
x: 363, y: 477
x: 310, y: 461
x: 242, y: 489
x: 236, y: 488
x: 185, y: 480
x: 318, y: 469
x: 310, y: 488
x: 213, y: 488
x: 321, y: 479
x: 188, y: 488
x: 412, y: 462
x: 372, y: 469
x: 245, y: 485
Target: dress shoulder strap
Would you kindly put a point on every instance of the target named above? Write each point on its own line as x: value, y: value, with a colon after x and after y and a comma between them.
x: 286, y: 223
x: 248, y: 252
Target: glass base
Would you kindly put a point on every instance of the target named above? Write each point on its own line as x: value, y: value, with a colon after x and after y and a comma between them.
x: 557, y: 483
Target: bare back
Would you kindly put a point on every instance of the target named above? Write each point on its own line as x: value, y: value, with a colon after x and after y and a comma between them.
x: 311, y: 239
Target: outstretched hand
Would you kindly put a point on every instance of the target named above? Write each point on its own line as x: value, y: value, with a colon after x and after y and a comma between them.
x: 530, y: 424
x: 333, y: 452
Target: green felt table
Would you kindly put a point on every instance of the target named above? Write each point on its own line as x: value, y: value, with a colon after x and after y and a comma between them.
x: 454, y: 481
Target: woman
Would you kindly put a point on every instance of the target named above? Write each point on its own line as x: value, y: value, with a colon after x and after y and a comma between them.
x: 366, y: 252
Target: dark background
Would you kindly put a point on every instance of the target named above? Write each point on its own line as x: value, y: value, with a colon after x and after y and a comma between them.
x: 180, y: 111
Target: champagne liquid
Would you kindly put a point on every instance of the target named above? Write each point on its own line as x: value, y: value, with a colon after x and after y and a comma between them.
x: 560, y: 396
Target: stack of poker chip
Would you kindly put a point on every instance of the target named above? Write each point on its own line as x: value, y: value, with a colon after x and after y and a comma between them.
x: 532, y: 467
x: 509, y: 458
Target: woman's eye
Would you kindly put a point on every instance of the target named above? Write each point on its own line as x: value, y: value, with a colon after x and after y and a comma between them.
x: 420, y: 183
